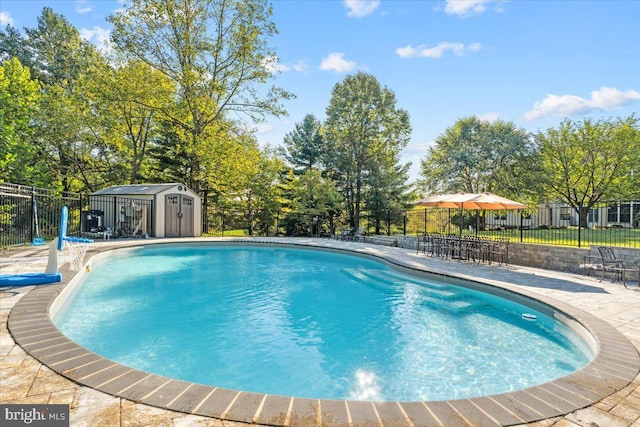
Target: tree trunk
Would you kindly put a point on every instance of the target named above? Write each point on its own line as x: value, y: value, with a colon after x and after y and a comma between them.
x: 356, y: 217
x: 583, y: 215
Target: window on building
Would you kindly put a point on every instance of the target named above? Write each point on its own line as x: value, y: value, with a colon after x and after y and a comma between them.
x: 594, y: 215
x: 612, y: 213
x: 625, y: 212
x: 565, y: 214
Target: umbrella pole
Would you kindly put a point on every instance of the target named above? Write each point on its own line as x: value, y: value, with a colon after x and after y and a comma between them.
x: 425, y: 221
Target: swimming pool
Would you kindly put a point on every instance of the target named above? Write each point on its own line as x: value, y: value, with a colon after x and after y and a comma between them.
x: 311, y: 324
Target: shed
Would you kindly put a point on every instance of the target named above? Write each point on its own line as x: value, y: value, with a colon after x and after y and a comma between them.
x: 158, y: 210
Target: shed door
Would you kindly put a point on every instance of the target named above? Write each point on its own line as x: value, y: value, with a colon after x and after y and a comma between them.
x: 178, y: 216
x: 186, y: 221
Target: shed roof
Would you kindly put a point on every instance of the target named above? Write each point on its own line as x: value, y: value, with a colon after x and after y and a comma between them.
x: 136, y: 189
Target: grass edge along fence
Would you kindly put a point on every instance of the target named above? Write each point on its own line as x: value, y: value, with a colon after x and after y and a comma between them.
x: 614, y: 223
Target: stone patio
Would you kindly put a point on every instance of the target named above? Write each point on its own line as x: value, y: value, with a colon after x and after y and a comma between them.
x: 23, y: 379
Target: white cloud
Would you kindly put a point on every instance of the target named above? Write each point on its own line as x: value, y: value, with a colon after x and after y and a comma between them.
x: 437, y: 51
x: 264, y: 128
x: 491, y: 116
x: 5, y: 19
x: 336, y: 62
x: 360, y: 8
x: 272, y: 64
x: 83, y: 6
x: 607, y: 98
x: 301, y: 66
x: 98, y: 36
x: 465, y: 7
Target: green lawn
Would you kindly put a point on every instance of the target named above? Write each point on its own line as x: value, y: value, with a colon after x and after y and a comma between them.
x: 625, y: 237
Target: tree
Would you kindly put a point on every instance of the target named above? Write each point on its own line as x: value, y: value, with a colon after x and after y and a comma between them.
x: 304, y: 145
x: 312, y: 201
x: 389, y: 194
x: 122, y: 112
x: 60, y: 58
x: 475, y: 156
x: 590, y: 161
x: 363, y: 129
x: 263, y: 194
x: 216, y: 53
x: 13, y: 45
x: 19, y: 99
x: 58, y: 52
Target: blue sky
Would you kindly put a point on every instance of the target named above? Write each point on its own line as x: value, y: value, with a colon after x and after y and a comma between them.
x: 531, y: 62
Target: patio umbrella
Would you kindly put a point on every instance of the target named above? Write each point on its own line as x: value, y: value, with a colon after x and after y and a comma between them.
x: 490, y: 201
x: 471, y: 201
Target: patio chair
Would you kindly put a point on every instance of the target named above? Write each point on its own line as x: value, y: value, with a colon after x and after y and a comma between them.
x: 347, y: 234
x: 612, y: 264
x: 359, y: 234
x: 421, y: 240
x: 499, y: 251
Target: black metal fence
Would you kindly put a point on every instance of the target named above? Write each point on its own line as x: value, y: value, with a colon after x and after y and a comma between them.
x: 218, y: 221
x: 615, y: 223
x: 27, y: 213
x: 113, y: 216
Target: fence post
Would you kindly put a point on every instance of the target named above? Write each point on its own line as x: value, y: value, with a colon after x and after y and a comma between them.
x: 580, y: 225
x: 32, y: 221
x: 388, y: 222
x: 521, y: 225
x: 425, y: 220
x: 115, y: 216
x: 404, y: 223
x: 80, y: 229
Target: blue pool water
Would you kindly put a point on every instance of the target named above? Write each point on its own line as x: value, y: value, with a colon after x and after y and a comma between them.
x: 312, y: 324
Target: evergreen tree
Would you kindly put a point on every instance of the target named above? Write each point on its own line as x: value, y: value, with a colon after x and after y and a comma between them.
x: 304, y: 145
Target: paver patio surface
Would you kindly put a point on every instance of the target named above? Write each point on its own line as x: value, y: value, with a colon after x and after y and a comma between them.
x: 23, y: 379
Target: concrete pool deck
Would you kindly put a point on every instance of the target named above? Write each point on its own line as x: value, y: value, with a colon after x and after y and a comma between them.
x: 606, y: 393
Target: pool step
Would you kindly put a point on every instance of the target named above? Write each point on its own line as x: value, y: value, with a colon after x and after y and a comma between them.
x: 436, y: 297
x: 387, y: 275
x: 435, y: 289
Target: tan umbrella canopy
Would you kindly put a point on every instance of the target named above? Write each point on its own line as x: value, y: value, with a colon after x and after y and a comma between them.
x: 471, y: 201
x: 490, y: 201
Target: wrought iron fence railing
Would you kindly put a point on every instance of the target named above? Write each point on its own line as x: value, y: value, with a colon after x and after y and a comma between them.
x: 614, y: 223
x: 28, y: 212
